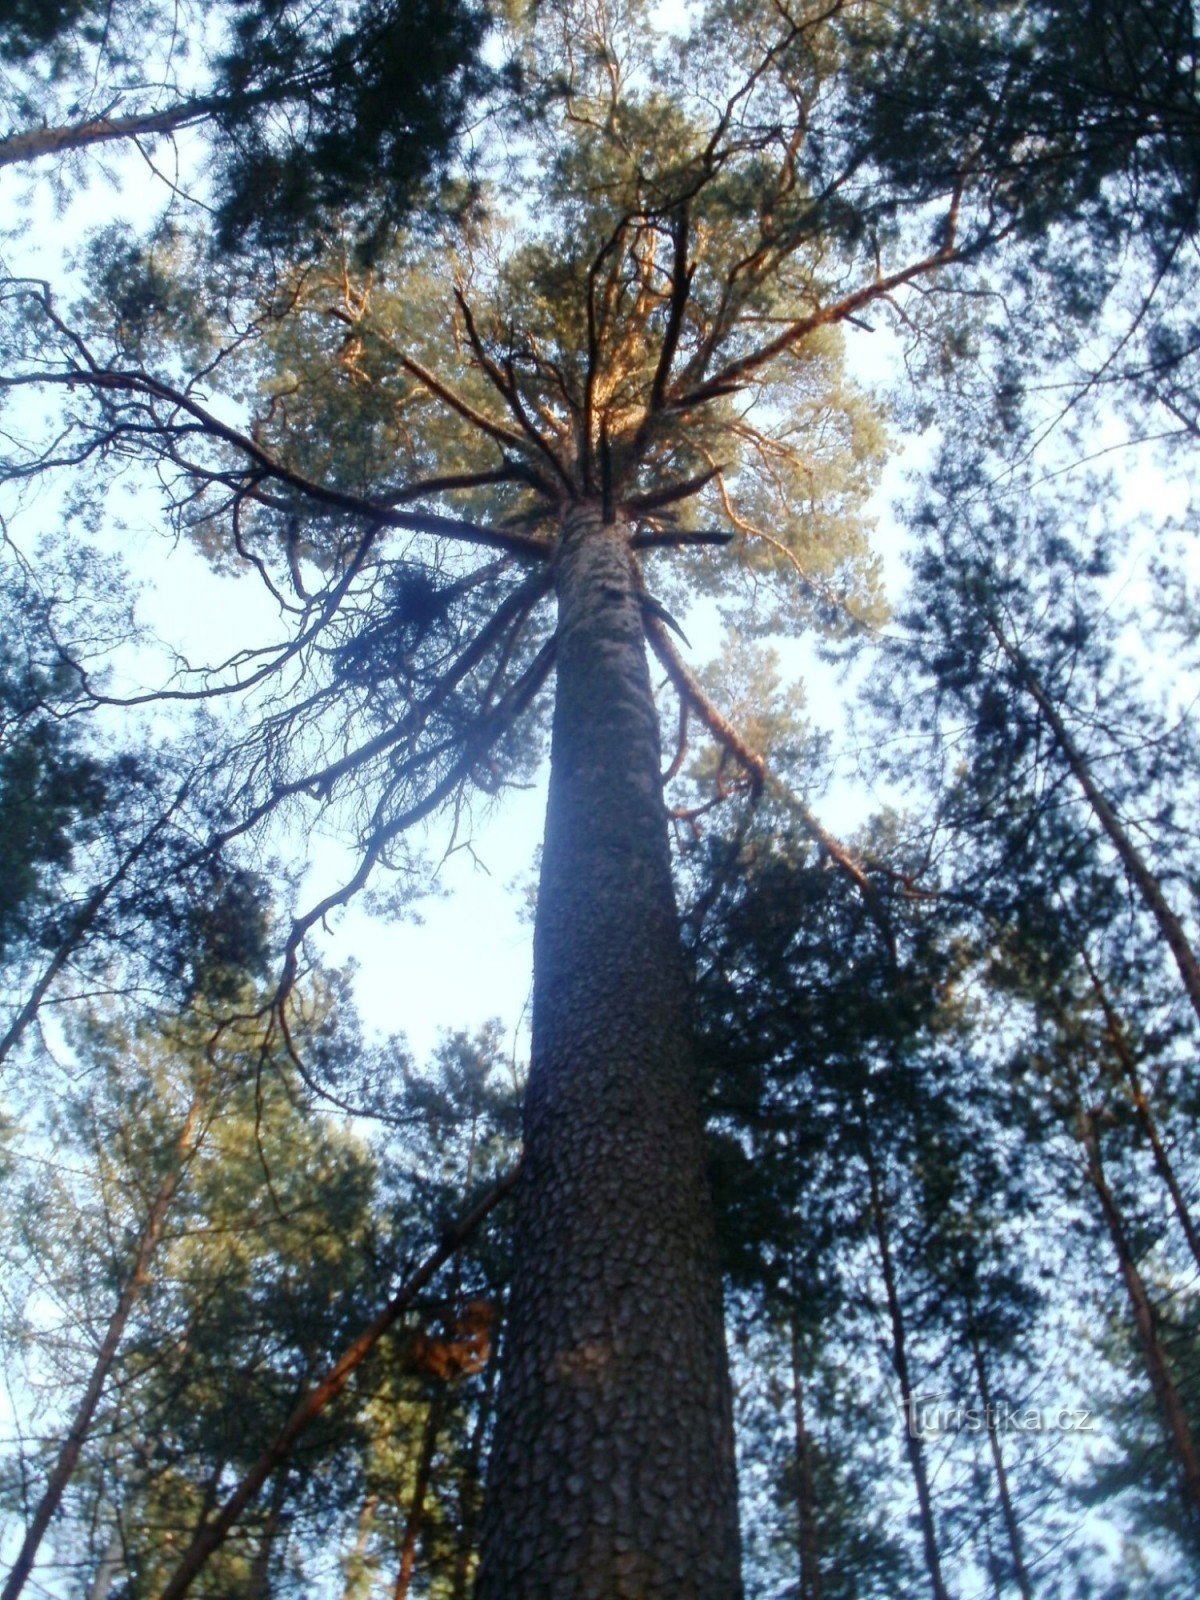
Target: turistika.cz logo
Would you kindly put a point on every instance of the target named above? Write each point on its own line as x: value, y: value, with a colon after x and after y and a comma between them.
x: 929, y: 1415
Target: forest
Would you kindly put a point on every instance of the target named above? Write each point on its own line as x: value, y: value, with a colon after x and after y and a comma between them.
x: 759, y: 434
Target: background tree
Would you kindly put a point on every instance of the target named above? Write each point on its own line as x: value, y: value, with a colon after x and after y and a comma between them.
x: 309, y: 113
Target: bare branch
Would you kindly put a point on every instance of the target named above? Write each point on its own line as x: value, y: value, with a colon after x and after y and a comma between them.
x: 733, y: 376
x: 639, y: 504
x: 663, y: 538
x: 322, y: 494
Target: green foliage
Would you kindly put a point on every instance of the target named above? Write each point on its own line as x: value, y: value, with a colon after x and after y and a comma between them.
x: 285, y: 1235
x: 51, y: 794
x: 27, y: 26
x: 380, y: 85
x: 321, y: 117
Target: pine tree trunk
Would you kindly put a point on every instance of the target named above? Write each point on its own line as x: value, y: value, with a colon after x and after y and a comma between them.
x: 108, y: 1566
x: 1144, y: 880
x: 912, y: 1438
x: 1170, y: 1406
x: 470, y: 1486
x: 1008, y: 1511
x: 806, y: 1499
x: 1145, y: 1114
x: 415, y: 1520
x: 359, y: 1568
x: 612, y: 1472
x: 258, y: 1581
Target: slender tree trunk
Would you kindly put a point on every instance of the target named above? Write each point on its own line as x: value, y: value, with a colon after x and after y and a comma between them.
x: 469, y: 1492
x: 72, y: 1445
x: 1012, y: 1527
x: 1141, y: 1104
x: 358, y: 1569
x: 1158, y: 1370
x: 81, y: 924
x: 1142, y: 877
x: 415, y: 1519
x: 612, y: 1472
x: 108, y: 1566
x: 806, y: 1499
x: 912, y: 1439
x: 258, y: 1583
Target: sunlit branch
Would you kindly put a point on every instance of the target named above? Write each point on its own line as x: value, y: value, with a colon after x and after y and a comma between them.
x: 104, y: 380
x: 751, y: 530
x: 688, y: 688
x: 733, y: 376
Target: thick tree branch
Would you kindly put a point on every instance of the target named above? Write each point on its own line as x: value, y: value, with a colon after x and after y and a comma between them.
x: 665, y: 538
x: 639, y: 504
x: 681, y: 286
x: 35, y: 143
x: 689, y: 689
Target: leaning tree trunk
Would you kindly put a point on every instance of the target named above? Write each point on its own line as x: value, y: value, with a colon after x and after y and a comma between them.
x: 612, y: 1471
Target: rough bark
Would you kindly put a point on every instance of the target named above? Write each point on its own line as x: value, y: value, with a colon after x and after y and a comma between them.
x: 612, y: 1472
